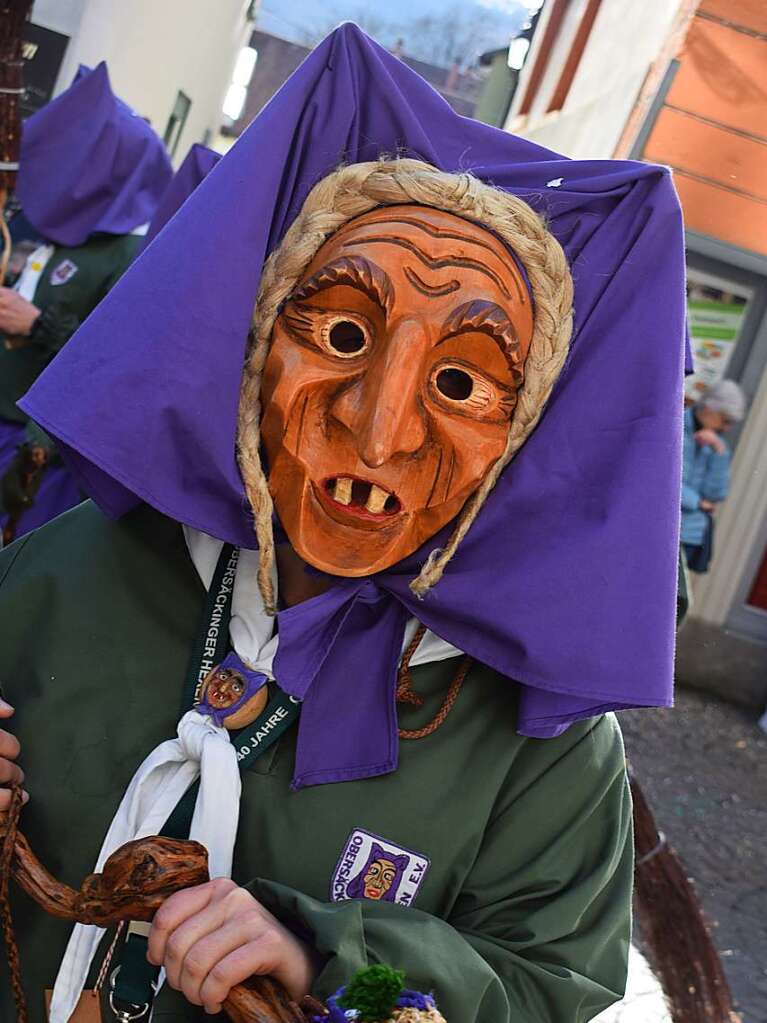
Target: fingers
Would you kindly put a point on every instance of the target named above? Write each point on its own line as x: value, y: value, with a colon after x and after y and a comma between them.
x: 178, y: 908
x: 5, y: 799
x: 198, y: 934
x: 9, y: 745
x: 211, y: 966
x: 10, y: 773
x: 259, y: 956
x: 191, y: 933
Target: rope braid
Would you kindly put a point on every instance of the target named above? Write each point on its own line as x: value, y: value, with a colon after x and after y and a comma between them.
x: 9, y: 936
x: 350, y: 192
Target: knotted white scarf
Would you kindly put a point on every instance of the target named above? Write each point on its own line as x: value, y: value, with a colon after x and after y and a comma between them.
x: 202, y: 750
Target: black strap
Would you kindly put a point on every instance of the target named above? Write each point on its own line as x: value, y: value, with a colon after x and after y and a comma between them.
x: 133, y: 983
x: 212, y: 643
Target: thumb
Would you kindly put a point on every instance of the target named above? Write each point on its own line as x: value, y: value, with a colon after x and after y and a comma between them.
x: 6, y: 710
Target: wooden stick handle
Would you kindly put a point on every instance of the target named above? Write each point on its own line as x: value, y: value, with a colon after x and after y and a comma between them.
x: 134, y: 883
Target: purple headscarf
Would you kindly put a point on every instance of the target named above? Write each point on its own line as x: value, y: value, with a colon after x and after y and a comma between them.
x: 196, y: 166
x: 566, y: 582
x: 89, y: 163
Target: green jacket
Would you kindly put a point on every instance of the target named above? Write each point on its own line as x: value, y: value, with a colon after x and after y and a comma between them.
x: 523, y: 912
x: 99, y: 263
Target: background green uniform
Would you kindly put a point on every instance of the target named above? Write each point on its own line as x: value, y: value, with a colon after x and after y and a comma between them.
x: 100, y: 262
x: 524, y: 913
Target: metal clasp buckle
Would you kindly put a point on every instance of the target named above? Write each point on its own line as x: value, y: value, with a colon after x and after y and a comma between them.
x: 130, y: 1011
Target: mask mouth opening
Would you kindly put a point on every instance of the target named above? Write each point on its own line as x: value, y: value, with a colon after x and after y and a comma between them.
x: 361, y: 496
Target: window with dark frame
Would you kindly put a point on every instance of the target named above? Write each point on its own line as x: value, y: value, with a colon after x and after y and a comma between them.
x: 585, y: 26
x: 559, y: 10
x: 176, y: 122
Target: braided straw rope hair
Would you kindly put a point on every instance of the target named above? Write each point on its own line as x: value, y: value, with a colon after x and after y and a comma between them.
x: 356, y: 189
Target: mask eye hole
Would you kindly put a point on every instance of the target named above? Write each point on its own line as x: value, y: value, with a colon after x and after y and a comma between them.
x: 345, y: 338
x: 454, y: 384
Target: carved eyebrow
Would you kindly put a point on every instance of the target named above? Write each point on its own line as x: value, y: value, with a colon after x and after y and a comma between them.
x: 438, y: 232
x: 355, y: 271
x: 431, y: 262
x: 431, y: 290
x: 487, y: 318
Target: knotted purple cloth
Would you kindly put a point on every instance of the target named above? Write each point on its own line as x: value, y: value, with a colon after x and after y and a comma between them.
x: 89, y: 163
x: 566, y: 583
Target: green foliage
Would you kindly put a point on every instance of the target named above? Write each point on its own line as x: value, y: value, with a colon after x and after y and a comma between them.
x: 373, y: 991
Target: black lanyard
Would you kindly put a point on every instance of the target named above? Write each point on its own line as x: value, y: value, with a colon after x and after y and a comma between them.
x: 212, y: 643
x: 133, y: 983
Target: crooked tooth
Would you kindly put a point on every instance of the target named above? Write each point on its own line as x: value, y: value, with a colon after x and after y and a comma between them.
x: 343, y: 491
x: 376, y: 500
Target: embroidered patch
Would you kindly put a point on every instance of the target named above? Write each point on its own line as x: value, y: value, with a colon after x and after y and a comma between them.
x: 372, y: 868
x: 64, y: 272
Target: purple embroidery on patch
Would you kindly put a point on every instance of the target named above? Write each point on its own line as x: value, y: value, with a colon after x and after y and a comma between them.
x: 251, y: 680
x: 380, y: 877
x: 370, y: 867
x: 63, y: 272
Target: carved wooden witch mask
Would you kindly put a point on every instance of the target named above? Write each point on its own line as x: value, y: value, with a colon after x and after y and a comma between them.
x: 390, y: 384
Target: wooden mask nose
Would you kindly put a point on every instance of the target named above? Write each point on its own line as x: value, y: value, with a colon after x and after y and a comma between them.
x: 381, y: 409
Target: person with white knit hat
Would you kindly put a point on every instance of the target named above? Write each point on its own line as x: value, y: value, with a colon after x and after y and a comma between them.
x: 706, y: 467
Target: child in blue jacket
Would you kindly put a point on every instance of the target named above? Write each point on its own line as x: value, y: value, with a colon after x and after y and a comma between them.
x: 706, y: 467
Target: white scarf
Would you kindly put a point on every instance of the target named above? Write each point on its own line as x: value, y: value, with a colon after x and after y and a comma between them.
x: 202, y: 750
x: 30, y: 276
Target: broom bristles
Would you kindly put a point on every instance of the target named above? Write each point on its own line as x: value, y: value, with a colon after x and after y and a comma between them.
x: 679, y: 945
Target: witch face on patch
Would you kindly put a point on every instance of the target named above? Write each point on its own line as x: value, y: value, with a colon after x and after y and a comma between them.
x: 390, y: 384
x: 380, y: 877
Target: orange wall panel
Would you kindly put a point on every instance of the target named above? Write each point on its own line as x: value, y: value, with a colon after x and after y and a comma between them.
x: 712, y: 152
x: 721, y: 214
x: 749, y: 13
x: 723, y: 76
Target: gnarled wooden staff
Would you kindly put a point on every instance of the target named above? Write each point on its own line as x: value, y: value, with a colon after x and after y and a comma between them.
x: 13, y: 14
x: 134, y: 883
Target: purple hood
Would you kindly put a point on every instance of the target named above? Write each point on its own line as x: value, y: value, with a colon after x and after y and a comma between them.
x: 89, y: 163
x: 567, y: 581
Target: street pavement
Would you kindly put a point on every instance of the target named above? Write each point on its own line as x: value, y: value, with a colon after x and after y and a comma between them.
x: 703, y: 767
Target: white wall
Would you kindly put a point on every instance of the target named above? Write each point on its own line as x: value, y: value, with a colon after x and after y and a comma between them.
x: 59, y: 15
x: 153, y: 48
x: 625, y: 39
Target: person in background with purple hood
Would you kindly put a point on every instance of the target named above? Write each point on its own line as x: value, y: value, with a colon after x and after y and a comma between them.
x: 91, y: 174
x: 378, y: 434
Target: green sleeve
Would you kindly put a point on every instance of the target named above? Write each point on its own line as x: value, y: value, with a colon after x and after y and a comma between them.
x: 540, y: 931
x: 103, y: 261
x: 53, y: 328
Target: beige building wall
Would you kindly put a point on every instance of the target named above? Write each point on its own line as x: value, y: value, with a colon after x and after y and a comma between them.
x: 624, y: 41
x: 153, y: 49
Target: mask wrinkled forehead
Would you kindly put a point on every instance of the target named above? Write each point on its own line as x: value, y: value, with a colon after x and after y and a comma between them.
x: 360, y: 188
